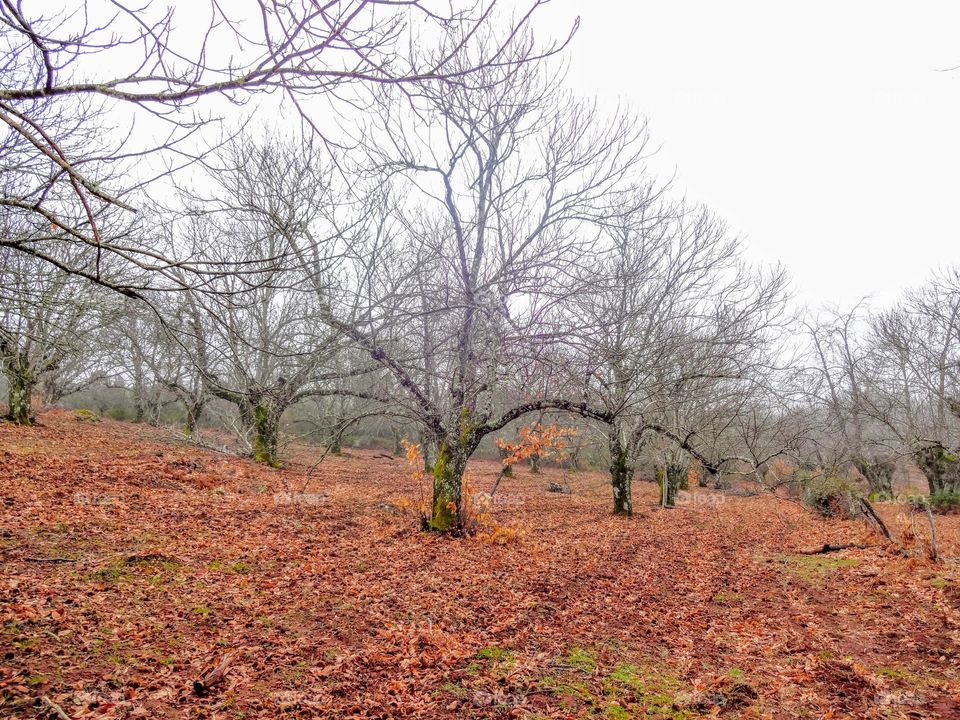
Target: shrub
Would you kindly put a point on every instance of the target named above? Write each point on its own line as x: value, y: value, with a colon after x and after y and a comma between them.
x: 942, y: 503
x: 831, y: 496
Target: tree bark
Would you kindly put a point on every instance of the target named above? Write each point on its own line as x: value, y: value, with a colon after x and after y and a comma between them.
x: 878, y: 474
x: 266, y: 431
x: 621, y: 477
x: 671, y: 478
x: 446, y: 513
x: 535, y: 463
x: 19, y: 396
x: 679, y: 475
x: 506, y: 470
x: 941, y: 467
x: 194, y: 414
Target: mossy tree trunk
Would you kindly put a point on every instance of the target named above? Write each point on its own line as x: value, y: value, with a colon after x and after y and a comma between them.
x: 446, y: 510
x: 20, y: 384
x: 507, y: 470
x: 621, y: 476
x: 680, y: 475
x: 671, y: 479
x: 878, y: 474
x: 941, y: 467
x: 194, y: 414
x: 266, y: 432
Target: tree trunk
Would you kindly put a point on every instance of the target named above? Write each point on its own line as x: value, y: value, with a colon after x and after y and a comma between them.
x: 702, y: 479
x: 19, y: 397
x: 941, y: 467
x: 681, y: 476
x: 194, y: 413
x: 506, y: 470
x: 266, y: 431
x: 671, y: 479
x: 428, y: 445
x: 535, y: 463
x: 139, y: 411
x: 719, y: 482
x: 878, y: 474
x: 51, y: 391
x: 446, y: 512
x: 621, y: 476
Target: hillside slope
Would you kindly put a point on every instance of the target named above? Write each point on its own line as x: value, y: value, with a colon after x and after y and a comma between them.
x: 131, y: 563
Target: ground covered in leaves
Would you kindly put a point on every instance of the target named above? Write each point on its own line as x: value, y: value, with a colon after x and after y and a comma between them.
x: 129, y: 564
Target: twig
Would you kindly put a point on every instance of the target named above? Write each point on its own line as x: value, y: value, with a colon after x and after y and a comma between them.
x: 933, y: 533
x: 49, y: 559
x: 57, y: 710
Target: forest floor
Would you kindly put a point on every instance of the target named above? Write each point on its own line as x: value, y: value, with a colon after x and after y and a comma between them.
x: 130, y: 563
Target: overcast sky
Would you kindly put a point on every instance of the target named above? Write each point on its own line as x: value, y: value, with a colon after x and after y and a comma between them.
x: 821, y: 131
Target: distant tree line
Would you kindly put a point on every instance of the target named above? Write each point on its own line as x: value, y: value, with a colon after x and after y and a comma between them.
x: 472, y: 249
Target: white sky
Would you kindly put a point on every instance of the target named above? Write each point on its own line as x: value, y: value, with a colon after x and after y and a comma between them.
x: 824, y: 132
x: 821, y: 130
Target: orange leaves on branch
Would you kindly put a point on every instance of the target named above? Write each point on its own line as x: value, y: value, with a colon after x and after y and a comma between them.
x: 414, y: 457
x: 540, y: 440
x: 411, y: 452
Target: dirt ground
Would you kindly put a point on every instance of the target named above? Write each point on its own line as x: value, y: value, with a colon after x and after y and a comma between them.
x: 129, y: 564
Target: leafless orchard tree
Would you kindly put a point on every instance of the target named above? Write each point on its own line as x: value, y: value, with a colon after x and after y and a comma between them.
x: 86, y: 86
x: 149, y: 360
x: 671, y: 332
x: 844, y: 382
x: 46, y: 320
x: 256, y: 346
x: 917, y: 386
x: 489, y: 188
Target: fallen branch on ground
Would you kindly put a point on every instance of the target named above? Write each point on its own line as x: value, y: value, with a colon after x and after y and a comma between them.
x: 49, y: 559
x: 827, y: 548
x: 54, y: 708
x: 869, y: 511
x: 212, y: 676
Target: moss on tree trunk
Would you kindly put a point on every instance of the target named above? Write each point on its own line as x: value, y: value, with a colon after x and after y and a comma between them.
x: 878, y: 474
x: 621, y: 480
x: 266, y: 430
x: 446, y: 510
x: 671, y: 480
x: 941, y: 467
x: 621, y: 473
x: 19, y: 392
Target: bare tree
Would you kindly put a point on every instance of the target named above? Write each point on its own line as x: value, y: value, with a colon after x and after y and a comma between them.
x: 672, y: 335
x: 845, y: 373
x: 491, y: 187
x: 77, y: 80
x: 45, y: 320
x: 917, y: 387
